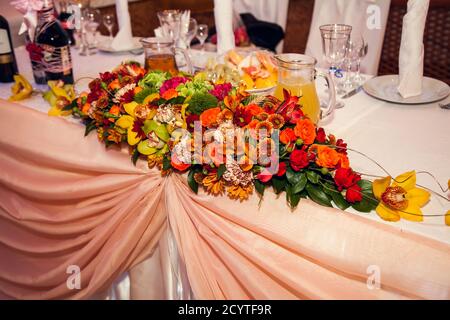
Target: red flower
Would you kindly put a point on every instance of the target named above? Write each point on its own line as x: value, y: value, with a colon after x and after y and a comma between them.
x: 127, y: 96
x: 288, y: 105
x: 137, y: 127
x: 344, y: 178
x: 296, y: 115
x: 220, y: 91
x: 299, y: 159
x: 353, y: 194
x: 190, y: 119
x: 320, y: 136
x: 35, y: 51
x: 281, y: 169
x: 242, y: 117
x: 264, y: 176
x: 172, y: 83
x: 108, y: 76
x: 341, y: 146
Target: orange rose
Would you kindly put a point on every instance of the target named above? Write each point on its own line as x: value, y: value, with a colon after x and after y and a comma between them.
x: 115, y: 110
x: 287, y: 136
x: 170, y: 94
x: 115, y: 84
x: 326, y: 157
x: 254, y: 109
x: 343, y: 161
x: 209, y: 117
x: 306, y: 130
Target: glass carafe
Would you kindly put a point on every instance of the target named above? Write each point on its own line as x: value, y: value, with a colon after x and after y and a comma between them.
x: 160, y: 55
x: 296, y: 73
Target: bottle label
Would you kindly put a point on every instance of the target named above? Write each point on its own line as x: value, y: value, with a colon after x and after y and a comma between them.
x: 56, y: 60
x: 5, y: 47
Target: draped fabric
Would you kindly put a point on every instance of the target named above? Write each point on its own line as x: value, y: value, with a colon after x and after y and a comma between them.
x: 65, y: 200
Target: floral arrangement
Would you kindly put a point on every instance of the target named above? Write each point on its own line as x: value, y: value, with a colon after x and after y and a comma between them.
x: 230, y: 142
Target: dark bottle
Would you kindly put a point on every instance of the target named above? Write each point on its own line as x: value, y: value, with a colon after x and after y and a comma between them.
x: 8, y: 65
x: 55, y: 45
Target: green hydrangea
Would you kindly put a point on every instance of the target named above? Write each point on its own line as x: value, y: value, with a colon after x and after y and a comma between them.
x: 192, y: 87
x: 202, y: 101
x: 154, y: 80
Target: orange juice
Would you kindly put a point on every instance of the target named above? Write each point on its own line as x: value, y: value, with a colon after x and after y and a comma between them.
x: 309, y: 99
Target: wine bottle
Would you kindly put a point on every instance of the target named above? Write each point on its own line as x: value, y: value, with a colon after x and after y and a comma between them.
x: 54, y: 44
x: 8, y: 65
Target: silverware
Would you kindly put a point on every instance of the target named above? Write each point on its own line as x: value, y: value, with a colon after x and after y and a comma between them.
x: 444, y: 106
x: 352, y: 92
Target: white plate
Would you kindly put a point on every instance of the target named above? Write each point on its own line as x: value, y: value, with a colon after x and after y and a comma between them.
x: 385, y: 88
x: 105, y: 46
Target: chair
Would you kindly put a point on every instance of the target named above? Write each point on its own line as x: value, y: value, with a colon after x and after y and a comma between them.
x: 436, y: 40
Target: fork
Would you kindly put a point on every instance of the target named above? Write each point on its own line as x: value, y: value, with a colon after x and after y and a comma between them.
x: 444, y: 106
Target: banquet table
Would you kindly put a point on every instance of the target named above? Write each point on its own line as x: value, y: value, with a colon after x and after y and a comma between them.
x: 199, y: 246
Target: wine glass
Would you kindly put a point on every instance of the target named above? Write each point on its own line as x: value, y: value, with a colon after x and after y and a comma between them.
x: 202, y: 34
x: 92, y: 18
x: 358, y: 79
x: 109, y: 22
x: 355, y: 46
x: 335, y: 39
x: 191, y: 28
x: 78, y: 6
x: 170, y: 21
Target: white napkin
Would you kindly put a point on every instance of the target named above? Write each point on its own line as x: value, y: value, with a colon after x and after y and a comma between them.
x: 223, y: 16
x: 411, y: 49
x: 184, y: 28
x: 124, y: 38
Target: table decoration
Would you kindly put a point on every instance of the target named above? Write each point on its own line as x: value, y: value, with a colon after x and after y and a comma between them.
x: 231, y: 142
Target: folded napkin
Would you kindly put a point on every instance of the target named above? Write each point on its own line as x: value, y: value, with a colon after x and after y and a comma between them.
x: 124, y: 38
x: 184, y: 28
x: 223, y: 16
x: 411, y: 49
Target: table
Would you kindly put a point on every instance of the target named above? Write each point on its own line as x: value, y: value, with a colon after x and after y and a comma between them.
x: 400, y: 137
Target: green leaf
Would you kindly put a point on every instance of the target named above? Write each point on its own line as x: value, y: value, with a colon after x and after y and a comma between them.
x: 300, y: 185
x: 89, y: 127
x: 191, y: 181
x: 221, y: 170
x: 313, y: 177
x: 140, y: 96
x: 339, y: 200
x: 166, y: 164
x: 70, y: 106
x: 134, y: 156
x: 292, y: 198
x: 278, y: 184
x: 292, y: 176
x: 259, y: 186
x: 317, y: 195
x: 365, y: 185
x: 329, y: 188
x: 362, y: 206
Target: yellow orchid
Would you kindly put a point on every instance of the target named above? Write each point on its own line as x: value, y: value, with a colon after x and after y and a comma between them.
x: 402, y: 199
x: 59, y: 96
x: 447, y: 218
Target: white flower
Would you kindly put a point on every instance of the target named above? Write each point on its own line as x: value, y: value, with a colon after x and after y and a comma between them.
x: 122, y: 91
x: 235, y: 175
x: 183, y: 149
x: 165, y: 114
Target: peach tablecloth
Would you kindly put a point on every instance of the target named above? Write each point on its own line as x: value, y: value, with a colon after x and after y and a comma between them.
x: 65, y: 201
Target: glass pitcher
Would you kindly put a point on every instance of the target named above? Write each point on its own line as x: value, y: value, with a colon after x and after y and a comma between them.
x: 160, y: 55
x: 296, y: 73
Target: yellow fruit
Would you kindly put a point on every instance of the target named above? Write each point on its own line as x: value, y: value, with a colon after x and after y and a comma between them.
x: 261, y: 83
x: 248, y: 81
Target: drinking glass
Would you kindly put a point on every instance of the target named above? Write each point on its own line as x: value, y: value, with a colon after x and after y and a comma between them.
x: 202, y: 34
x: 191, y: 28
x: 335, y: 39
x: 78, y: 34
x: 109, y: 22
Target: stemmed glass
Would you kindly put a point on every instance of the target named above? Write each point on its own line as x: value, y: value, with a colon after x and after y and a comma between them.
x: 202, y: 34
x: 335, y: 39
x: 92, y: 18
x: 358, y: 79
x: 79, y: 20
x: 109, y: 22
x: 191, y: 32
x: 355, y: 47
x: 170, y: 21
